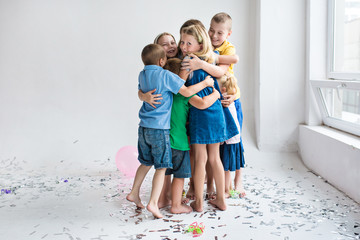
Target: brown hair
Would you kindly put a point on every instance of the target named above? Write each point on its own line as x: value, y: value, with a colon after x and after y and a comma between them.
x: 173, y: 65
x: 152, y: 53
x: 223, y: 17
x: 191, y: 22
x: 156, y: 40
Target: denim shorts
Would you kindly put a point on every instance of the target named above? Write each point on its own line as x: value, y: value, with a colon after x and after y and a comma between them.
x: 181, y: 164
x: 154, y: 147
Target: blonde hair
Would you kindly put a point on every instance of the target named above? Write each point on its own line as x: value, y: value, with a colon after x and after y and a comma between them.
x: 223, y: 17
x: 202, y: 37
x: 191, y: 22
x: 173, y: 65
x: 188, y: 23
x: 156, y: 40
x: 229, y: 82
x: 152, y: 53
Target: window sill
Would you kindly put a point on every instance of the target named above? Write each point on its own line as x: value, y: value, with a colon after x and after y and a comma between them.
x: 332, y: 154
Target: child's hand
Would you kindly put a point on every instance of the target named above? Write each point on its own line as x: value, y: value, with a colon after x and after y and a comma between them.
x: 151, y: 98
x: 193, y: 63
x: 228, y: 99
x: 209, y: 81
x: 216, y: 92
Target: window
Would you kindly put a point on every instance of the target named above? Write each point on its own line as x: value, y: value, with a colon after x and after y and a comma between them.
x: 338, y: 96
x: 339, y: 103
x: 344, y: 39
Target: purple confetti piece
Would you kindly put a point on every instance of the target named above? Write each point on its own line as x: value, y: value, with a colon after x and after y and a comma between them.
x: 6, y: 191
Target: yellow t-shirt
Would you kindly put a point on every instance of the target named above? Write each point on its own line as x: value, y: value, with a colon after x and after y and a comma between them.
x: 228, y: 49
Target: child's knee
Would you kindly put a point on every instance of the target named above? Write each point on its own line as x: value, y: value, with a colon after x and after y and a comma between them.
x: 201, y: 161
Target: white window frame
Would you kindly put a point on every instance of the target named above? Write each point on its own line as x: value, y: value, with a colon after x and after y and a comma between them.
x: 331, y: 74
x: 335, y: 80
x: 327, y: 119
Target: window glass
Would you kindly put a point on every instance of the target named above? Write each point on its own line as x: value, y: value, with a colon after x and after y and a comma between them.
x: 346, y: 33
x: 343, y: 104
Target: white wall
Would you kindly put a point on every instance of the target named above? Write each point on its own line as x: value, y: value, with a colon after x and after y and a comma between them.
x: 316, y: 47
x: 68, y: 72
x: 330, y: 153
x: 279, y: 73
x: 333, y: 155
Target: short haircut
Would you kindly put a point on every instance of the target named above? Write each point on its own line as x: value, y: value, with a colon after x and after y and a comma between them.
x: 152, y: 53
x: 223, y: 17
x: 173, y: 65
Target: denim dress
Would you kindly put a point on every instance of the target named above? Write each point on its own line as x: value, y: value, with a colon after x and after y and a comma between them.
x: 212, y: 125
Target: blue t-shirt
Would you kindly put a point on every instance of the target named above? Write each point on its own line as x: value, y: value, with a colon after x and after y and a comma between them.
x: 166, y: 83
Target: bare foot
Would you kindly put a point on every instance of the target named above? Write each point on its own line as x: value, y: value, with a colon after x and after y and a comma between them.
x: 181, y: 209
x: 185, y: 200
x: 164, y: 204
x: 220, y: 204
x: 241, y: 191
x: 210, y: 192
x: 155, y: 211
x: 227, y: 195
x: 210, y: 195
x: 196, y: 206
x: 136, y: 200
x: 190, y: 194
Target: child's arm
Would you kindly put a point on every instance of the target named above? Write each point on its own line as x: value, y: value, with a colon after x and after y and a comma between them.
x: 227, y: 59
x: 149, y: 97
x: 228, y: 99
x: 196, y: 63
x: 191, y: 90
x: 205, y: 102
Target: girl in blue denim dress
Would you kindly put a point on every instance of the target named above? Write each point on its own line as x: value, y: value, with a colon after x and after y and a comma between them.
x: 207, y: 127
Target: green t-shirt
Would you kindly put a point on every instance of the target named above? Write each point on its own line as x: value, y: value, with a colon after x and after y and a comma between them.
x: 179, y: 116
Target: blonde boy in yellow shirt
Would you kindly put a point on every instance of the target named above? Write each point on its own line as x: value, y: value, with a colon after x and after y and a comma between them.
x: 219, y: 31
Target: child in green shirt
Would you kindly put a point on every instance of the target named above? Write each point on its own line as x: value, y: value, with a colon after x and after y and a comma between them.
x: 180, y: 145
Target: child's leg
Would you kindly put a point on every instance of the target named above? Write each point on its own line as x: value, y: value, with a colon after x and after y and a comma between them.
x: 165, y: 196
x: 239, y: 184
x: 210, y: 190
x: 134, y: 195
x: 190, y: 192
x: 199, y: 175
x: 218, y: 171
x: 227, y: 183
x: 238, y: 175
x: 177, y: 187
x: 157, y: 185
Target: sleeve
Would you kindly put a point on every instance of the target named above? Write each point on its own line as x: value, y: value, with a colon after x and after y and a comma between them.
x: 229, y: 50
x: 173, y: 82
x: 188, y: 98
x: 139, y: 80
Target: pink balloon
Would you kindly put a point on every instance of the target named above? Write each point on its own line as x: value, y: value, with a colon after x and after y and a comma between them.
x: 126, y: 160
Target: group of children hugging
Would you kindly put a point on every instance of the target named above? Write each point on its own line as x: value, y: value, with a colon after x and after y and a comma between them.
x: 190, y: 124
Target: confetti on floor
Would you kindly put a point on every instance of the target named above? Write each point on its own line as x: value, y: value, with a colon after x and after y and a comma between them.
x: 284, y: 201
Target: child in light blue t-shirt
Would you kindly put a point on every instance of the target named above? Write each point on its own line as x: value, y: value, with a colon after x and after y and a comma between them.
x: 154, y: 128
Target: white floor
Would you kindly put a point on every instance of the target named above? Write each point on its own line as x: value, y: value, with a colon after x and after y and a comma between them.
x: 284, y: 201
